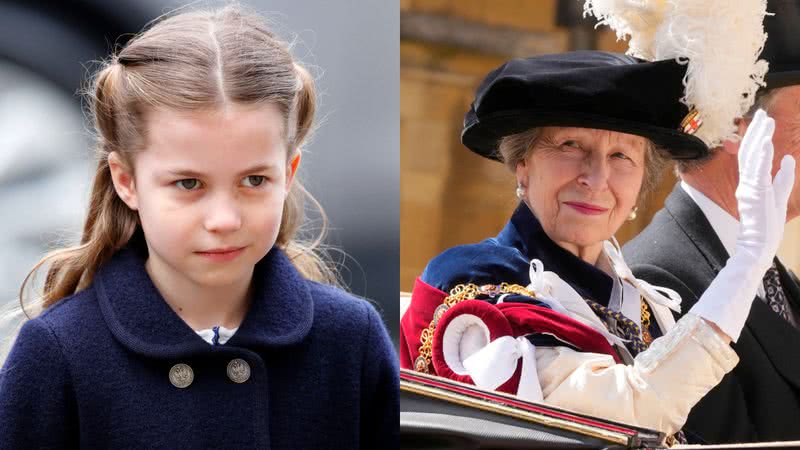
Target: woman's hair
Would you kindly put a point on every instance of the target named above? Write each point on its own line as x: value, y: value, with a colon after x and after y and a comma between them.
x: 197, y: 60
x: 515, y: 148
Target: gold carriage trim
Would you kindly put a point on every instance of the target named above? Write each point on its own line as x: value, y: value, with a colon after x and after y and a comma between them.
x: 511, y: 411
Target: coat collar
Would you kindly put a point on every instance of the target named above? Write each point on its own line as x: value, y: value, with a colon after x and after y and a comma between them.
x: 525, y: 233
x: 695, y: 225
x: 281, y: 312
x: 772, y: 333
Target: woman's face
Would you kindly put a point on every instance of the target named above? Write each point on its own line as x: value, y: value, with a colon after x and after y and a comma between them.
x: 582, y: 183
x: 209, y: 189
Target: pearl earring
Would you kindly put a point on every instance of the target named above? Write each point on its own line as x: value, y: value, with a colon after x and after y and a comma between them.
x: 632, y: 215
x: 520, y: 192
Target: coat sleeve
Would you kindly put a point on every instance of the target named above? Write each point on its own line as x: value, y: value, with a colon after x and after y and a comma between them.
x: 656, y: 392
x: 37, y: 403
x: 723, y: 414
x: 380, y: 407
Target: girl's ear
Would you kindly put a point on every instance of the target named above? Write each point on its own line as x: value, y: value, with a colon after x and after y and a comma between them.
x: 291, y: 169
x: 122, y: 177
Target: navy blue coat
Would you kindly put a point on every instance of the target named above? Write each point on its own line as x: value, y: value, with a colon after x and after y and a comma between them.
x: 506, y: 258
x: 92, y: 371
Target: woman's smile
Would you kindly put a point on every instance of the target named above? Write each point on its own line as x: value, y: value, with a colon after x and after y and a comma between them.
x: 586, y: 208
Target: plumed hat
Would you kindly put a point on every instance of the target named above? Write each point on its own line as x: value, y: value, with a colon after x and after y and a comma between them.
x: 782, y: 49
x: 692, y: 67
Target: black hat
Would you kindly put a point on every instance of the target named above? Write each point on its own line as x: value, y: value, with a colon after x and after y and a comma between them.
x: 782, y: 49
x: 588, y: 89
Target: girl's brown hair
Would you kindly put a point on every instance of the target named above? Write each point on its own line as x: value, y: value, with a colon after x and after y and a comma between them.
x: 189, y: 61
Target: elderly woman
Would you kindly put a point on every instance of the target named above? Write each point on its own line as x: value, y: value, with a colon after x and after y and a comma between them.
x: 547, y: 309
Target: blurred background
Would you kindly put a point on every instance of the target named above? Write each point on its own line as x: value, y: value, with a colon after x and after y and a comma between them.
x: 351, y: 166
x: 448, y: 195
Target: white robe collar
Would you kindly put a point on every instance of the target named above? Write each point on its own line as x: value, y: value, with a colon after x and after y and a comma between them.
x: 626, y: 294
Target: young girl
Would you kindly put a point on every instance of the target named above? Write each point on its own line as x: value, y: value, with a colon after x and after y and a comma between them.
x: 189, y: 316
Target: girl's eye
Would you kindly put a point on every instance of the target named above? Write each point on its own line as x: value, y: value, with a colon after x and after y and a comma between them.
x: 254, y: 180
x: 188, y: 184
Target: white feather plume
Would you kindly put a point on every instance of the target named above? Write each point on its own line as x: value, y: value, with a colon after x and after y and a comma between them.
x: 720, y: 40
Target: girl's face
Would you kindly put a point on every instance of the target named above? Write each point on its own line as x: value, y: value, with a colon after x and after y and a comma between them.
x: 209, y: 188
x: 582, y: 183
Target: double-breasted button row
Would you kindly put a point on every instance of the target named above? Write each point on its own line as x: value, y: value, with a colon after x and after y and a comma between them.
x: 238, y: 370
x: 181, y: 375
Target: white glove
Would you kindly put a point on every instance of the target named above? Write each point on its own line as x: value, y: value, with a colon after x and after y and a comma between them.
x: 762, y: 215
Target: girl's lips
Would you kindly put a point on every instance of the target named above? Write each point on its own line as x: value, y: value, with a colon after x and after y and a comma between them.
x: 222, y: 254
x: 585, y: 208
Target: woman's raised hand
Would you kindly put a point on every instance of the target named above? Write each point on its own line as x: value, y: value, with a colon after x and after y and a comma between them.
x: 762, y: 201
x: 762, y: 214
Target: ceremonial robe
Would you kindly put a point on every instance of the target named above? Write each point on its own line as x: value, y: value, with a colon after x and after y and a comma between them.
x: 656, y: 391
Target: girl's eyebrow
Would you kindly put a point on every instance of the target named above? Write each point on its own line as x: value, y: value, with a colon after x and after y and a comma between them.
x: 195, y: 174
x: 184, y: 173
x: 258, y: 168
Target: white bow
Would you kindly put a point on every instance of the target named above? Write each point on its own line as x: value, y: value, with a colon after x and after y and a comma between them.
x: 536, y: 274
x: 656, y: 294
x: 545, y: 286
x: 495, y: 363
x: 563, y: 298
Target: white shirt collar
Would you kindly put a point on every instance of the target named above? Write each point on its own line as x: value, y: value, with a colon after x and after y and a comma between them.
x: 725, y: 225
x: 221, y: 333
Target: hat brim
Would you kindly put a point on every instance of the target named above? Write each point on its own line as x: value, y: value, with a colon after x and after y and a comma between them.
x: 483, y: 136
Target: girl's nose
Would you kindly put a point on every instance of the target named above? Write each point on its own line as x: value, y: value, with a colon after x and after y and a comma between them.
x: 223, y: 216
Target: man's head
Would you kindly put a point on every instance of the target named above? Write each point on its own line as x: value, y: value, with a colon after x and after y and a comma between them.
x: 783, y: 105
x: 716, y: 175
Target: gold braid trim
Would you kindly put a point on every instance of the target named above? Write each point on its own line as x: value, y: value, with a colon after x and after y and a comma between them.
x: 647, y: 338
x: 458, y: 294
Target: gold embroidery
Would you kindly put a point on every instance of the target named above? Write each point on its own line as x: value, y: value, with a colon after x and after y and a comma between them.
x: 646, y: 336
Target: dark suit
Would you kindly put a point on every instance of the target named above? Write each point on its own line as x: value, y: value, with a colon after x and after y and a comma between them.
x: 760, y: 399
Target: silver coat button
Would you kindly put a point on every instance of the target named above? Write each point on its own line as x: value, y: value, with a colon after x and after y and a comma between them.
x: 238, y: 370
x: 181, y: 375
